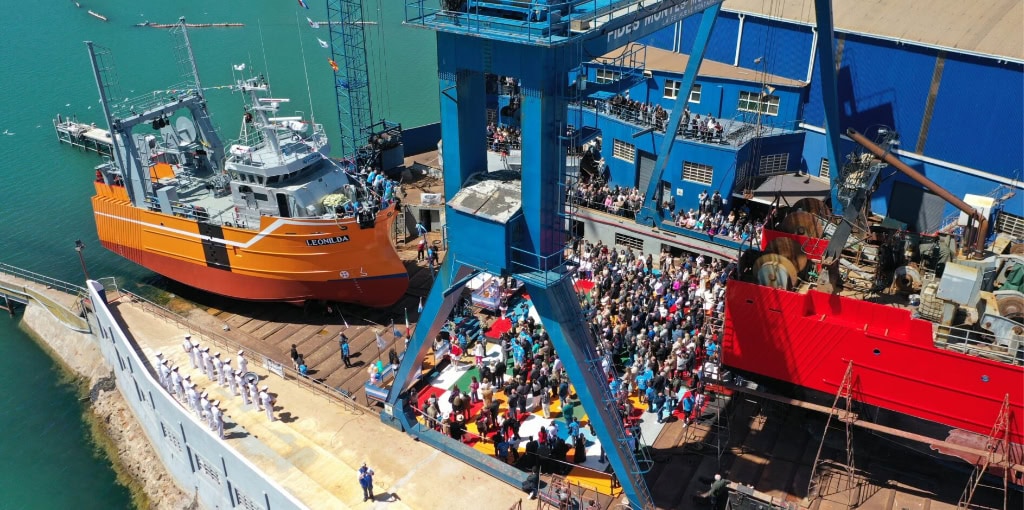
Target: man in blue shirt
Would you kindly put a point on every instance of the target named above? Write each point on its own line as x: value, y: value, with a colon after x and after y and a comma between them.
x: 366, y: 482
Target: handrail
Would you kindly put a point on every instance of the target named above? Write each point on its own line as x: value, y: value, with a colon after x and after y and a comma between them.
x: 223, y: 342
x: 65, y: 287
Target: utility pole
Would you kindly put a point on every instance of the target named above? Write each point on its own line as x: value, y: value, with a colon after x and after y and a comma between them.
x: 79, y: 247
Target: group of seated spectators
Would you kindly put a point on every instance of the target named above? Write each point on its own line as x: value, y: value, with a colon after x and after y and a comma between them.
x: 617, y: 200
x: 737, y: 227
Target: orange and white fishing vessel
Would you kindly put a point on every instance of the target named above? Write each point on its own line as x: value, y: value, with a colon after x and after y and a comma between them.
x: 272, y: 218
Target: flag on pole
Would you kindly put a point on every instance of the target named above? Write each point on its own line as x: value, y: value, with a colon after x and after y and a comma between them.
x: 323, y: 43
x: 381, y: 344
x: 407, y: 329
x: 344, y: 321
x: 240, y: 67
x: 420, y: 308
x: 394, y: 330
x: 302, y: 3
x: 313, y: 24
x: 334, y: 65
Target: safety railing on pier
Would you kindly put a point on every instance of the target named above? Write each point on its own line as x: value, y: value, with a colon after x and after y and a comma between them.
x: 229, y: 345
x: 65, y: 287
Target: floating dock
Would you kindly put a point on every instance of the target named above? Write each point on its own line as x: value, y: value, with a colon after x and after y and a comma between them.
x: 81, y: 135
x: 150, y: 24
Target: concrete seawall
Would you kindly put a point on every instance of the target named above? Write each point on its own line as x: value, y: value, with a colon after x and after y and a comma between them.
x: 113, y: 425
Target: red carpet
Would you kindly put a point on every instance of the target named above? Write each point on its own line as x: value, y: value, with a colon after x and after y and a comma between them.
x: 429, y: 391
x: 584, y: 285
x: 500, y: 326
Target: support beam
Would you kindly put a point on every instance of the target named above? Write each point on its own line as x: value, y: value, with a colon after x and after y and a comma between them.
x: 651, y: 213
x: 829, y: 93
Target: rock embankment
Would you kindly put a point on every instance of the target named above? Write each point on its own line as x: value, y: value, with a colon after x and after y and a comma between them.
x: 114, y: 427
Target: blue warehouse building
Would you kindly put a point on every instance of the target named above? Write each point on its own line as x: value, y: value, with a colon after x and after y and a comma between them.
x: 952, y: 93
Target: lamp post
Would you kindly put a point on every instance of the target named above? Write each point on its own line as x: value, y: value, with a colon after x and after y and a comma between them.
x: 79, y: 246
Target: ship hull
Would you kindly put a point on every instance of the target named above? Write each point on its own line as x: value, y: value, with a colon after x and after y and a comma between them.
x: 286, y: 259
x: 809, y: 339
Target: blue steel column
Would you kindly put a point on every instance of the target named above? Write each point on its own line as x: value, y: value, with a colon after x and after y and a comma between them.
x: 463, y: 117
x: 651, y: 214
x: 543, y: 158
x: 829, y: 94
x: 560, y: 313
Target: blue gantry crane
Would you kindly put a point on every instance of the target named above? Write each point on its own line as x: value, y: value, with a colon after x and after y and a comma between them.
x: 516, y: 223
x: 351, y: 73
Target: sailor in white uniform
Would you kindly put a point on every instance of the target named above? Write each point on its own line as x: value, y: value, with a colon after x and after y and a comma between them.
x: 243, y: 387
x: 254, y: 393
x: 211, y: 419
x: 224, y: 372
x: 165, y: 375
x: 268, y: 402
x: 204, y: 405
x: 204, y: 361
x: 176, y: 388
x: 193, y: 397
x: 218, y: 420
x: 233, y: 381
x: 186, y: 345
x: 211, y: 365
x: 243, y: 364
x: 196, y: 354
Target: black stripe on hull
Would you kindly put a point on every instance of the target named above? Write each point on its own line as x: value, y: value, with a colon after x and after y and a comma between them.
x: 216, y: 254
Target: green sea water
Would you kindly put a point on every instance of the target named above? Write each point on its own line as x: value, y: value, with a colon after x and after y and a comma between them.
x: 49, y: 460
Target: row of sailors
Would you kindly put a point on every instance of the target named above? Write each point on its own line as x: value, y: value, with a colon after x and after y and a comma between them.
x: 185, y: 390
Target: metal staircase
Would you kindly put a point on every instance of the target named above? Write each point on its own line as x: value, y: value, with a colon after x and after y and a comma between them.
x: 997, y: 448
x: 845, y: 392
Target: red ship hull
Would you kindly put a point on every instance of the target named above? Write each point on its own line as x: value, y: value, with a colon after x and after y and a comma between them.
x: 809, y: 339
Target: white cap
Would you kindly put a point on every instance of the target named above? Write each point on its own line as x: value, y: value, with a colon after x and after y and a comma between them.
x: 188, y: 337
x: 159, y: 354
x: 227, y: 361
x: 216, y: 355
x: 241, y: 352
x: 718, y: 477
x: 175, y: 369
x: 206, y: 349
x: 205, y: 394
x: 264, y: 387
x: 195, y: 343
x: 216, y: 403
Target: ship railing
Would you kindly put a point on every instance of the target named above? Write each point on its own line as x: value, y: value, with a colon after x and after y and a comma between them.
x: 226, y: 344
x: 981, y: 344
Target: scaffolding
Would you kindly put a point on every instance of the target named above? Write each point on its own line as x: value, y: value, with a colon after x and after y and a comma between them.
x: 997, y: 458
x: 845, y: 393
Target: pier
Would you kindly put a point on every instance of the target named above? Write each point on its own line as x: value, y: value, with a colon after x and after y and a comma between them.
x: 84, y: 136
x: 150, y: 24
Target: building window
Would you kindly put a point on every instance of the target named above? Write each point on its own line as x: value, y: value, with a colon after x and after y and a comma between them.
x: 624, y: 151
x: 607, y: 76
x: 696, y: 172
x: 245, y: 501
x: 672, y: 90
x: 823, y: 169
x: 208, y: 470
x: 773, y: 164
x: 755, y: 102
x: 629, y: 241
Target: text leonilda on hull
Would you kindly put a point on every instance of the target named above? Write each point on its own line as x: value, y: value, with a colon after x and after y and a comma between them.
x: 326, y: 240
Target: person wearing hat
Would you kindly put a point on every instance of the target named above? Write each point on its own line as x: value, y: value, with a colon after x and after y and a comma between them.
x: 204, y: 361
x: 193, y: 397
x: 457, y: 429
x: 186, y: 345
x: 194, y: 354
x: 204, y: 405
x: 243, y: 364
x: 232, y: 379
x: 176, y: 389
x: 223, y: 372
x: 254, y: 395
x: 214, y: 365
x: 268, y: 402
x: 366, y: 482
x: 217, y: 420
x: 164, y: 370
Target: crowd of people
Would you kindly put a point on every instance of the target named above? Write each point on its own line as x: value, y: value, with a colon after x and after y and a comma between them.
x: 656, y: 321
x: 617, y: 200
x: 705, y: 129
